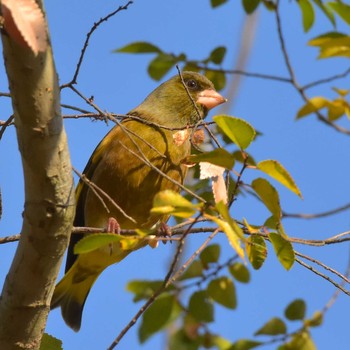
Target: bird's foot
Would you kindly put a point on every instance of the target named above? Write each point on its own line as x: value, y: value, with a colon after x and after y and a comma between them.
x: 163, y: 231
x: 113, y: 226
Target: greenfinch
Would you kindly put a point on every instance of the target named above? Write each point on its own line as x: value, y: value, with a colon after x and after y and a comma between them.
x: 138, y: 158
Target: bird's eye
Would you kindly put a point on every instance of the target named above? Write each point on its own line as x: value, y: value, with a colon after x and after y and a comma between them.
x: 191, y: 84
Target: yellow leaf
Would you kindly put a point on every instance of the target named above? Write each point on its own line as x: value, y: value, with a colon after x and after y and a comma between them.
x: 336, y: 109
x: 269, y: 196
x: 314, y: 104
x: 341, y: 92
x: 278, y: 172
x: 251, y: 228
x: 233, y: 233
x: 172, y: 203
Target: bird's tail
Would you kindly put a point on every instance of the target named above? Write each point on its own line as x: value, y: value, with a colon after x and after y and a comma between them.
x: 71, y: 295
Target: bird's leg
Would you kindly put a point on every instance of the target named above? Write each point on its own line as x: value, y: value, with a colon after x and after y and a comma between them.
x: 163, y: 231
x: 113, y: 226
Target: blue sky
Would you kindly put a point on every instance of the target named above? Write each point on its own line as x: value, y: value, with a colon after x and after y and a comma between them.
x: 316, y: 155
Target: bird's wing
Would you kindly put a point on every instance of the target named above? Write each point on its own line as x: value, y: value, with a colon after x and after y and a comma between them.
x: 80, y: 196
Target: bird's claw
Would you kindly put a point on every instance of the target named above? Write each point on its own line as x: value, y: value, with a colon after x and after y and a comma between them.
x: 113, y: 226
x: 163, y: 231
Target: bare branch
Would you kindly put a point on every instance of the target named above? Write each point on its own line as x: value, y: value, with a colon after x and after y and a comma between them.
x: 86, y: 43
x: 326, y: 80
x: 339, y: 286
x: 318, y: 215
x: 326, y: 267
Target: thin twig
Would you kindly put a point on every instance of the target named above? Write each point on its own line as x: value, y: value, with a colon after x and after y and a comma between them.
x: 318, y: 215
x: 98, y: 192
x: 283, y: 46
x: 237, y: 184
x: 326, y: 80
x: 246, y: 74
x: 8, y: 122
x: 209, y: 275
x: 181, y: 270
x: 74, y: 108
x: 337, y: 291
x: 88, y: 101
x: 165, y: 284
x: 339, y: 286
x: 319, y: 263
x: 88, y: 36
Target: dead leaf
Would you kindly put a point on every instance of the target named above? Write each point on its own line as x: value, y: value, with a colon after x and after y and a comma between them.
x: 24, y: 22
x: 216, y: 174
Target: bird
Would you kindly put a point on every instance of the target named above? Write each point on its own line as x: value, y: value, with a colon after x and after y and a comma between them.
x: 139, y: 157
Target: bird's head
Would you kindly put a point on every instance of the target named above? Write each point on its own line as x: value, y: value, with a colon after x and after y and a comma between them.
x: 180, y: 102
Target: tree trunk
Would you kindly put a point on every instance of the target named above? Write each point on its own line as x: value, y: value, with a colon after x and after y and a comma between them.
x: 49, y: 195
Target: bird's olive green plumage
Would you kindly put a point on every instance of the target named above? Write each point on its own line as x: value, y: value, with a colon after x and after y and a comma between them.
x: 123, y: 165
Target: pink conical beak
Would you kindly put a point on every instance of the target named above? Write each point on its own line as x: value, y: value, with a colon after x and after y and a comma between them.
x: 210, y: 98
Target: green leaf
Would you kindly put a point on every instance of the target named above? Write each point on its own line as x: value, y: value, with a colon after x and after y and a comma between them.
x: 218, y: 54
x: 283, y: 249
x: 210, y: 254
x: 48, y: 342
x: 218, y: 78
x: 181, y: 341
x: 343, y: 10
x: 250, y: 5
x: 238, y: 130
x: 222, y: 290
x: 244, y: 344
x: 240, y: 272
x: 273, y: 327
x: 172, y: 203
x: 144, y: 289
x: 272, y: 223
x: 161, y: 65
x: 270, y: 5
x: 256, y: 250
x: 219, y: 342
x: 218, y: 156
x: 269, y: 196
x: 314, y: 104
x: 300, y: 341
x: 295, y: 310
x: 315, y: 321
x: 193, y: 271
x: 98, y: 240
x: 233, y: 232
x: 239, y: 157
x: 216, y: 3
x: 164, y: 310
x: 200, y: 307
x: 139, y: 47
x: 308, y: 14
x: 277, y: 171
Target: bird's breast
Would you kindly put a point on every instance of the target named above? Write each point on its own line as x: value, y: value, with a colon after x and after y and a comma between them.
x: 139, y: 162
